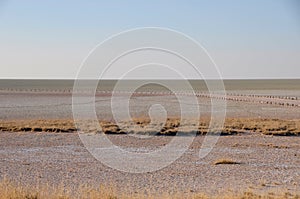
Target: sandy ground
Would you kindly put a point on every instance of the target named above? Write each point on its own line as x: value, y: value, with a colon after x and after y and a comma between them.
x: 46, y: 105
x: 265, y: 162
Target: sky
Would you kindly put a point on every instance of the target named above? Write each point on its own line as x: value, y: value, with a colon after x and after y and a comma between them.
x: 246, y: 39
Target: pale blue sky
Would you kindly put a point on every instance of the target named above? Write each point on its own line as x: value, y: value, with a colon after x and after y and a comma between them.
x: 247, y: 39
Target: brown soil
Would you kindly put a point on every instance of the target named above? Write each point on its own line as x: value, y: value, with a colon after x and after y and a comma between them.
x: 60, y: 159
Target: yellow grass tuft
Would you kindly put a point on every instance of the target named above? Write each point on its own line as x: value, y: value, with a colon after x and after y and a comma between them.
x: 225, y: 161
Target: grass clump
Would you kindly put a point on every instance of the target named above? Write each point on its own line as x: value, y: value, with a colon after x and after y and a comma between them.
x: 9, y: 190
x: 225, y: 161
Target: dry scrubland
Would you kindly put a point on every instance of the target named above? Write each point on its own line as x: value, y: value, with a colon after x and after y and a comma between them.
x: 10, y: 190
x: 257, y: 158
x: 232, y: 126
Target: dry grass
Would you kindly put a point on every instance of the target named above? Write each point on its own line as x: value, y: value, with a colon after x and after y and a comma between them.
x: 271, y: 145
x: 9, y: 190
x: 225, y: 161
x: 232, y: 126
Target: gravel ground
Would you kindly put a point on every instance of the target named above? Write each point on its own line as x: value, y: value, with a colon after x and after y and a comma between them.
x: 265, y: 162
